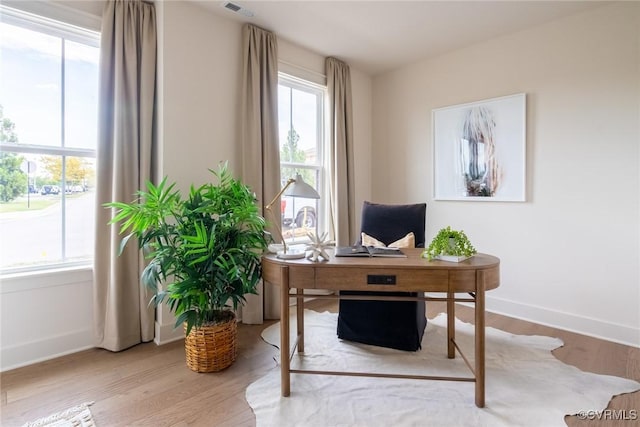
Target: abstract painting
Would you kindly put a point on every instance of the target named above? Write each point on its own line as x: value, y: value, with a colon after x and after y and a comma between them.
x: 479, y: 150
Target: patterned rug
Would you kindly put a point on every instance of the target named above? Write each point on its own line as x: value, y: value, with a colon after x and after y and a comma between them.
x: 78, y: 416
x: 525, y: 384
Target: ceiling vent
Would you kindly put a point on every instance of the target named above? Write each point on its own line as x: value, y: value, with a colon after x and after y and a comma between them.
x: 237, y: 9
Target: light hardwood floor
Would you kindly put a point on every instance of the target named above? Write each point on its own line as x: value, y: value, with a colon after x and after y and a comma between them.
x: 149, y: 385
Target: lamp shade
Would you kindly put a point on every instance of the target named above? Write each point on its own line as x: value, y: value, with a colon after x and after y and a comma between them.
x: 299, y: 188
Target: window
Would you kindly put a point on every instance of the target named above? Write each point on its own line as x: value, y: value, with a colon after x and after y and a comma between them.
x: 48, y: 136
x: 301, y: 130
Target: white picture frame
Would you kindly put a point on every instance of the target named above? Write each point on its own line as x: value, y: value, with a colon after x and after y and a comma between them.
x: 479, y: 150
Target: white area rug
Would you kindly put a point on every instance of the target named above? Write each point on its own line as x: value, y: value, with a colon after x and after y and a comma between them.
x: 525, y: 384
x: 78, y: 416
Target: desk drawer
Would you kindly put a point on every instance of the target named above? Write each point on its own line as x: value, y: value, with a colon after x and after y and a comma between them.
x: 358, y: 279
x: 301, y: 277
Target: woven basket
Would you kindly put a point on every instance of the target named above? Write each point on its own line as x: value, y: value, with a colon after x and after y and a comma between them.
x: 212, y: 348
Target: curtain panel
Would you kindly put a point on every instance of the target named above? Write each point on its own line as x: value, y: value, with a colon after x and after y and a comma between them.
x: 126, y: 160
x: 340, y: 159
x: 260, y: 146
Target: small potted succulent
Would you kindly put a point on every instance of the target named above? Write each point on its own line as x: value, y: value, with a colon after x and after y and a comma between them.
x: 449, y: 245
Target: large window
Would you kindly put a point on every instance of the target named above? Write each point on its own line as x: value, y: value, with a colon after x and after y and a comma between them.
x: 48, y: 136
x: 301, y: 129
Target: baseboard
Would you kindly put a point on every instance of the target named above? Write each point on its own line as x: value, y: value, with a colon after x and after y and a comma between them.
x: 167, y: 333
x: 24, y: 354
x: 584, y: 325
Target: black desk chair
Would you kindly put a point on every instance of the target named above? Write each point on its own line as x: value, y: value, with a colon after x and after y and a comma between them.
x: 394, y: 324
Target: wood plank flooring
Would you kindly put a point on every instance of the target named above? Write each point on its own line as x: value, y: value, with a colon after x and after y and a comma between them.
x: 149, y: 385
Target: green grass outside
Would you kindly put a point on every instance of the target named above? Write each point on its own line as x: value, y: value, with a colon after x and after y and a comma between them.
x: 37, y: 202
x: 21, y: 205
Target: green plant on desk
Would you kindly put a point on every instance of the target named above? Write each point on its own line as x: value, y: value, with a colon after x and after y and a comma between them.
x: 449, y: 242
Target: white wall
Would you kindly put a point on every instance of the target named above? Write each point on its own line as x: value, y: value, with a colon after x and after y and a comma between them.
x: 570, y: 254
x: 202, y: 68
x: 200, y: 85
x: 44, y: 316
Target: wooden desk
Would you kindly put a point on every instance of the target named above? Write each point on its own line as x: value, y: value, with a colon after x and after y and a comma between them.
x: 413, y: 274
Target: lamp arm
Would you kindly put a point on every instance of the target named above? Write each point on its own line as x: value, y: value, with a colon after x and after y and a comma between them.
x: 287, y: 185
x: 269, y: 209
x: 273, y: 217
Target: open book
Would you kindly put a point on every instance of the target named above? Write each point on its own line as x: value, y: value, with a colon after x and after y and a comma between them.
x: 369, y: 251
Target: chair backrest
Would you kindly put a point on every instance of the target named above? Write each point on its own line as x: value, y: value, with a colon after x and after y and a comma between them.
x: 389, y: 223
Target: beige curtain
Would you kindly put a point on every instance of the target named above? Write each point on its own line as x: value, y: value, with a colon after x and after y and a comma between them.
x: 260, y: 146
x: 126, y: 160
x: 340, y: 159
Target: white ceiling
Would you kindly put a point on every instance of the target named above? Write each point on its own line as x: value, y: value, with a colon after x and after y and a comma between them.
x: 378, y: 36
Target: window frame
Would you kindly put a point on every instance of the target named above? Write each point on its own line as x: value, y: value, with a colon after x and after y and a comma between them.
x: 66, y: 32
x: 320, y: 168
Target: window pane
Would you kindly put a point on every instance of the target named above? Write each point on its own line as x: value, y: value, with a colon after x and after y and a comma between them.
x: 284, y: 121
x: 299, y: 215
x: 300, y: 107
x: 298, y: 126
x: 305, y: 123
x: 79, y: 208
x: 81, y: 95
x: 30, y: 224
x: 30, y: 85
x: 46, y: 174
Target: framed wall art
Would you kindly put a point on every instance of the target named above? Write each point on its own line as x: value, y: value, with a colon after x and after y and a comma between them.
x: 479, y: 150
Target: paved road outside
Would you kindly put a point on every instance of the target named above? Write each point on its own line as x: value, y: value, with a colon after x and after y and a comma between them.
x: 29, y: 237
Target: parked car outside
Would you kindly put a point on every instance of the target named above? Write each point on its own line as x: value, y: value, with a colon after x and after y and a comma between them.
x: 305, y: 215
x: 49, y: 189
x: 299, y: 222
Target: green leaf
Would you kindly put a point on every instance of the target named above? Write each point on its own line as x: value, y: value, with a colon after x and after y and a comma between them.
x: 123, y: 243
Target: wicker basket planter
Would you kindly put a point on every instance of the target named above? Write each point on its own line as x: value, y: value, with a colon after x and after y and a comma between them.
x: 212, y: 348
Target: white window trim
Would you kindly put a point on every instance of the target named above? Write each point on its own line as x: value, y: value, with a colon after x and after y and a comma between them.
x: 323, y: 204
x: 71, y: 32
x: 44, y: 11
x: 61, y: 275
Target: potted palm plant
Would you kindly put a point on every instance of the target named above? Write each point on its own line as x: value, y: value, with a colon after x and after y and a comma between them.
x: 204, y: 256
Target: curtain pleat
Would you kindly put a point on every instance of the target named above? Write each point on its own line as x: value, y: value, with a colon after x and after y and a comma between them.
x: 260, y: 146
x: 340, y: 162
x: 126, y: 160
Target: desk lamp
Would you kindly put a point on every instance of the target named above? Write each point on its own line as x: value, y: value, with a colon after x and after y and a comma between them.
x: 295, y: 187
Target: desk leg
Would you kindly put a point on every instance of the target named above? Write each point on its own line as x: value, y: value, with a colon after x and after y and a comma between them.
x: 479, y: 337
x: 285, y: 375
x: 451, y: 325
x: 300, y: 320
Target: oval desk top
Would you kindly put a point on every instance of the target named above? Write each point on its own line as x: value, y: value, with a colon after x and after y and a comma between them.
x: 457, y: 271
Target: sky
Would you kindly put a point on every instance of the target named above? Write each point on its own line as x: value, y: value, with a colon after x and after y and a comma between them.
x: 304, y: 117
x: 30, y: 88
